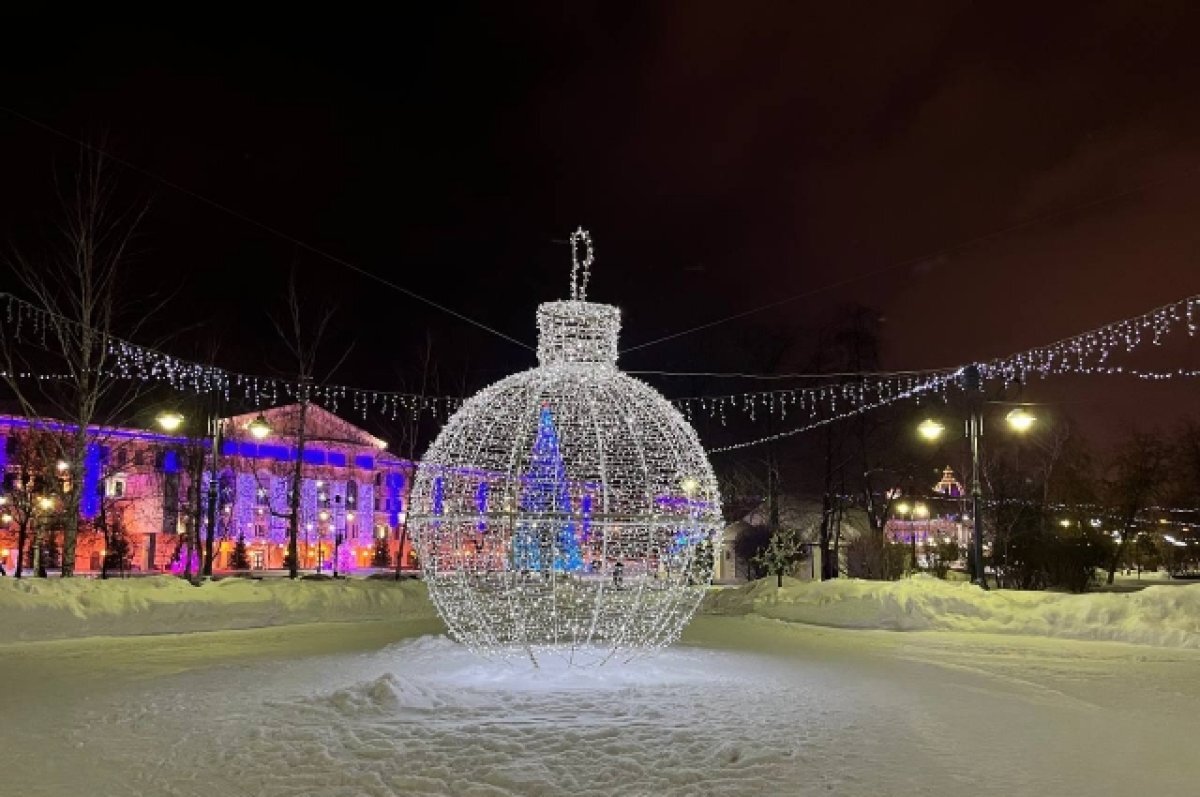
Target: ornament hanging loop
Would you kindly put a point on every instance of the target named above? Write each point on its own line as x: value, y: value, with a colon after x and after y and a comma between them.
x: 579, y: 287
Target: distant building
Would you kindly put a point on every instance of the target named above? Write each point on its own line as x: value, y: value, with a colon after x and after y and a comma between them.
x: 949, y: 485
x: 353, y: 493
x: 943, y: 518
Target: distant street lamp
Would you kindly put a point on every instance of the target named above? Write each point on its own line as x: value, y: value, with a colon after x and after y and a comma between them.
x: 169, y: 420
x: 172, y: 421
x: 1019, y: 420
x: 931, y: 429
x: 259, y: 428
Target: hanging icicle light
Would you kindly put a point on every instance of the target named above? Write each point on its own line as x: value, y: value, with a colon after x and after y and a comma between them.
x: 568, y: 510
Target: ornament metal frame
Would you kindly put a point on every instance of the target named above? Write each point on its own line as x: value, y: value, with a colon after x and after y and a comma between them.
x: 568, y: 511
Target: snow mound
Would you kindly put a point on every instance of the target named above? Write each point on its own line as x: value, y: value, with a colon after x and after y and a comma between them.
x: 39, y: 609
x: 1167, y: 616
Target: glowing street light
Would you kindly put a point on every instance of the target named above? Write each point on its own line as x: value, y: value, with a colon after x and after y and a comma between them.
x: 931, y: 429
x: 169, y: 420
x: 45, y: 503
x: 259, y: 428
x: 1020, y: 420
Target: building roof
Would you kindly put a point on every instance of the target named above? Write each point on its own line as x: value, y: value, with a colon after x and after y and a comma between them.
x: 320, y: 424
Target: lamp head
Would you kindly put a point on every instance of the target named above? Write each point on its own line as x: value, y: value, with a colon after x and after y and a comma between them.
x: 931, y: 429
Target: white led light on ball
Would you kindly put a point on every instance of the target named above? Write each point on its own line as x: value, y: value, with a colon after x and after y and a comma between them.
x: 568, y: 510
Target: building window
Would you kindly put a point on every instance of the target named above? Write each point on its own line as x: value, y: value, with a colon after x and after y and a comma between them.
x: 351, y: 494
x: 260, y: 529
x: 122, y: 458
x: 138, y: 457
x: 116, y: 486
x: 262, y: 497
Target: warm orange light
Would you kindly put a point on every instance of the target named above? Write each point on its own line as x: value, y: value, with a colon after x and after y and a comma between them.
x: 931, y: 429
x: 169, y: 421
x: 259, y: 428
x: 1020, y: 420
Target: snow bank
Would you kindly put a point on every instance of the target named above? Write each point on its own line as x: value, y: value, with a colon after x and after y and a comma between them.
x: 1168, y: 616
x: 36, y: 609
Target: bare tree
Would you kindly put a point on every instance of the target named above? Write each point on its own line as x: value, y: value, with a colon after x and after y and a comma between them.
x: 411, y: 435
x: 1136, y: 477
x: 76, y: 297
x: 26, y: 486
x: 303, y: 342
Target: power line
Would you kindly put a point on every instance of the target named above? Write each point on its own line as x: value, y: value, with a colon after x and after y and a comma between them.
x: 816, y: 375
x: 265, y: 227
x: 914, y: 260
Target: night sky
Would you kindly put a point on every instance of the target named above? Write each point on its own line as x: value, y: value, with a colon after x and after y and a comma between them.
x: 989, y: 176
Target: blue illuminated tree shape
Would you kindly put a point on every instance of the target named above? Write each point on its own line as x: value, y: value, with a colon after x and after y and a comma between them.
x: 544, y: 491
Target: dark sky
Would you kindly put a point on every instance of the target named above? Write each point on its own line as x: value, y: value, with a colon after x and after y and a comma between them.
x: 723, y: 156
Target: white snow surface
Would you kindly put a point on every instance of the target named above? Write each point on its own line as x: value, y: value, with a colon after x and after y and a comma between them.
x: 39, y: 609
x: 744, y: 705
x: 1167, y: 616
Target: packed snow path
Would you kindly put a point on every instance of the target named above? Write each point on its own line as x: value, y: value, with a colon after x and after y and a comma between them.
x: 744, y: 706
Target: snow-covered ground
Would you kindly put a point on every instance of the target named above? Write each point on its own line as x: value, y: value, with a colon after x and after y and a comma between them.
x: 36, y: 609
x: 1165, y: 615
x: 745, y: 705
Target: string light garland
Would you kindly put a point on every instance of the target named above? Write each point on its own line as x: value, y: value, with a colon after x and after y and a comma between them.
x: 1089, y: 353
x: 568, y: 510
x: 935, y: 385
x: 129, y: 361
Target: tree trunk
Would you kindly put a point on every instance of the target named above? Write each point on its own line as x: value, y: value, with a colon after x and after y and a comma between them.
x: 22, y: 539
x: 400, y: 547
x: 192, y: 549
x: 1116, y: 557
x: 294, y: 497
x: 39, y: 565
x: 827, y: 507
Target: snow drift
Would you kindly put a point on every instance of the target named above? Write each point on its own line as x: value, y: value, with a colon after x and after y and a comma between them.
x: 1167, y: 616
x: 37, y: 609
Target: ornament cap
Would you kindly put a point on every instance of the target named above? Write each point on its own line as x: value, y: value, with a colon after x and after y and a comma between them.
x: 577, y: 332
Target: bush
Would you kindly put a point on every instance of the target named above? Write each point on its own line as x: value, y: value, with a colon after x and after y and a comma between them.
x: 873, y: 557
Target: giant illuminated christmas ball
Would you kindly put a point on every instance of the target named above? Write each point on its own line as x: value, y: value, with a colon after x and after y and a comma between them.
x: 568, y: 510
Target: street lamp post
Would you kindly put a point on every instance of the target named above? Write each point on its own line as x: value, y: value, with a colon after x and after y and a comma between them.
x: 172, y: 421
x: 1019, y: 419
x: 920, y: 510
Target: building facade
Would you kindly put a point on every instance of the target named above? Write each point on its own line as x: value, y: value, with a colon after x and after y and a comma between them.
x: 148, y: 489
x: 941, y: 517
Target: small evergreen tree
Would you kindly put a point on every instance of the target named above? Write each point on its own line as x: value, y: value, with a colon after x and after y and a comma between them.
x: 116, y: 551
x: 784, y: 549
x: 702, y: 564
x: 239, y: 560
x: 382, y: 556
